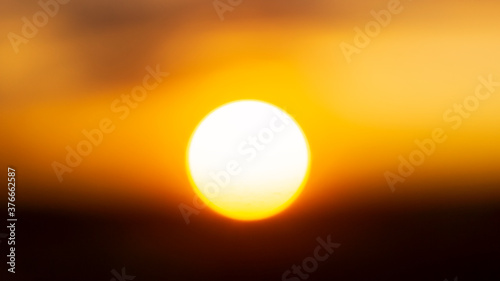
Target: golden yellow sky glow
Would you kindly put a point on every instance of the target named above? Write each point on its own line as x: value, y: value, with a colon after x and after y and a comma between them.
x: 358, y: 117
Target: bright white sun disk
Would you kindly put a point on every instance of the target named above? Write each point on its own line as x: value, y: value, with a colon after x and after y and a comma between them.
x: 248, y: 160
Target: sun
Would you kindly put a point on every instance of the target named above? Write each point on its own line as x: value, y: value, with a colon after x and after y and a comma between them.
x: 248, y: 160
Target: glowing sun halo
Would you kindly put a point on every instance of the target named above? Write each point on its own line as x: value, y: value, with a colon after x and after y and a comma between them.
x: 248, y: 160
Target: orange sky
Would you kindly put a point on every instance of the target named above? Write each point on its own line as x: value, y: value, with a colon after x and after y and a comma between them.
x: 358, y: 117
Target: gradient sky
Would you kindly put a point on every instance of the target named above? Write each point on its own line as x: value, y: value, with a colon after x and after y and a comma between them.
x: 120, y: 206
x: 358, y: 117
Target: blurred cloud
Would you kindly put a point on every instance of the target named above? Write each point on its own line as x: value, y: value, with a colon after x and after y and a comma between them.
x: 359, y: 117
